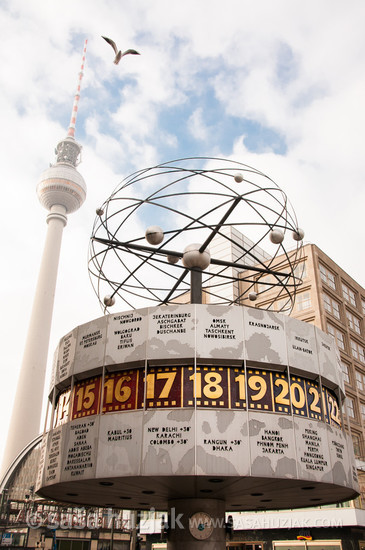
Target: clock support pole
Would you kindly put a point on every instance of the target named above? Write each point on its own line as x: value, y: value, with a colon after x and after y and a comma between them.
x: 196, y: 524
x: 196, y: 286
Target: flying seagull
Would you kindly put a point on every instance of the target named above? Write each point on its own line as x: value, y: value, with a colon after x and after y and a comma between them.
x: 118, y: 53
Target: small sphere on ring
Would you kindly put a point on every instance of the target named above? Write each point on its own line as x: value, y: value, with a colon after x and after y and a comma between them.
x: 276, y: 236
x: 99, y: 211
x: 154, y: 234
x: 109, y: 300
x: 238, y: 177
x: 252, y: 296
x: 298, y: 235
x: 193, y: 258
x: 173, y: 259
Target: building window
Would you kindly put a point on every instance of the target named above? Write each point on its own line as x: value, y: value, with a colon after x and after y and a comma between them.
x: 345, y: 372
x: 327, y: 276
x: 302, y: 301
x: 73, y: 544
x: 305, y: 545
x: 244, y: 545
x: 281, y: 304
x: 353, y: 321
x: 362, y: 410
x: 360, y: 380
x: 348, y: 294
x: 357, y: 351
x: 363, y: 305
x: 337, y: 334
x: 300, y: 270
x: 350, y: 406
x: 356, y: 444
x: 265, y: 283
x: 331, y: 305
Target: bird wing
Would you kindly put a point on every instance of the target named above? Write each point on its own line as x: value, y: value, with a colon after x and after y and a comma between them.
x: 131, y: 51
x: 112, y: 43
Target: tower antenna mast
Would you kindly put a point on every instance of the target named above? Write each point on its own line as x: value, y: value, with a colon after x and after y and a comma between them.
x: 75, y: 107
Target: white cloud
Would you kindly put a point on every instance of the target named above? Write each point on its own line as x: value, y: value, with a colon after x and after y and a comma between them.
x: 197, y: 125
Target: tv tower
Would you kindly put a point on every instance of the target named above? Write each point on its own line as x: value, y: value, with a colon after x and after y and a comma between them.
x: 61, y: 190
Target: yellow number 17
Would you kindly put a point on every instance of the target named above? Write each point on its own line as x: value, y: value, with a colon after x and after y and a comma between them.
x: 150, y: 383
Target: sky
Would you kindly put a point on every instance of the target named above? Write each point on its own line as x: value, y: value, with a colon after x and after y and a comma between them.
x: 278, y: 85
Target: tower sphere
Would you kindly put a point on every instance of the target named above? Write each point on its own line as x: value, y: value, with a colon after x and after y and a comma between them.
x: 61, y: 184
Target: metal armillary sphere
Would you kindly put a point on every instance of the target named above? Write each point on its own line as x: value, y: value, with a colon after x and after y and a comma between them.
x: 154, y: 240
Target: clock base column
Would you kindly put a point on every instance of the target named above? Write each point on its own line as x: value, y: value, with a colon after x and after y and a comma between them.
x: 197, y: 524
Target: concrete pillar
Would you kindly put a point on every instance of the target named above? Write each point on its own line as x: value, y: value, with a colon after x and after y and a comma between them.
x: 196, y: 524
